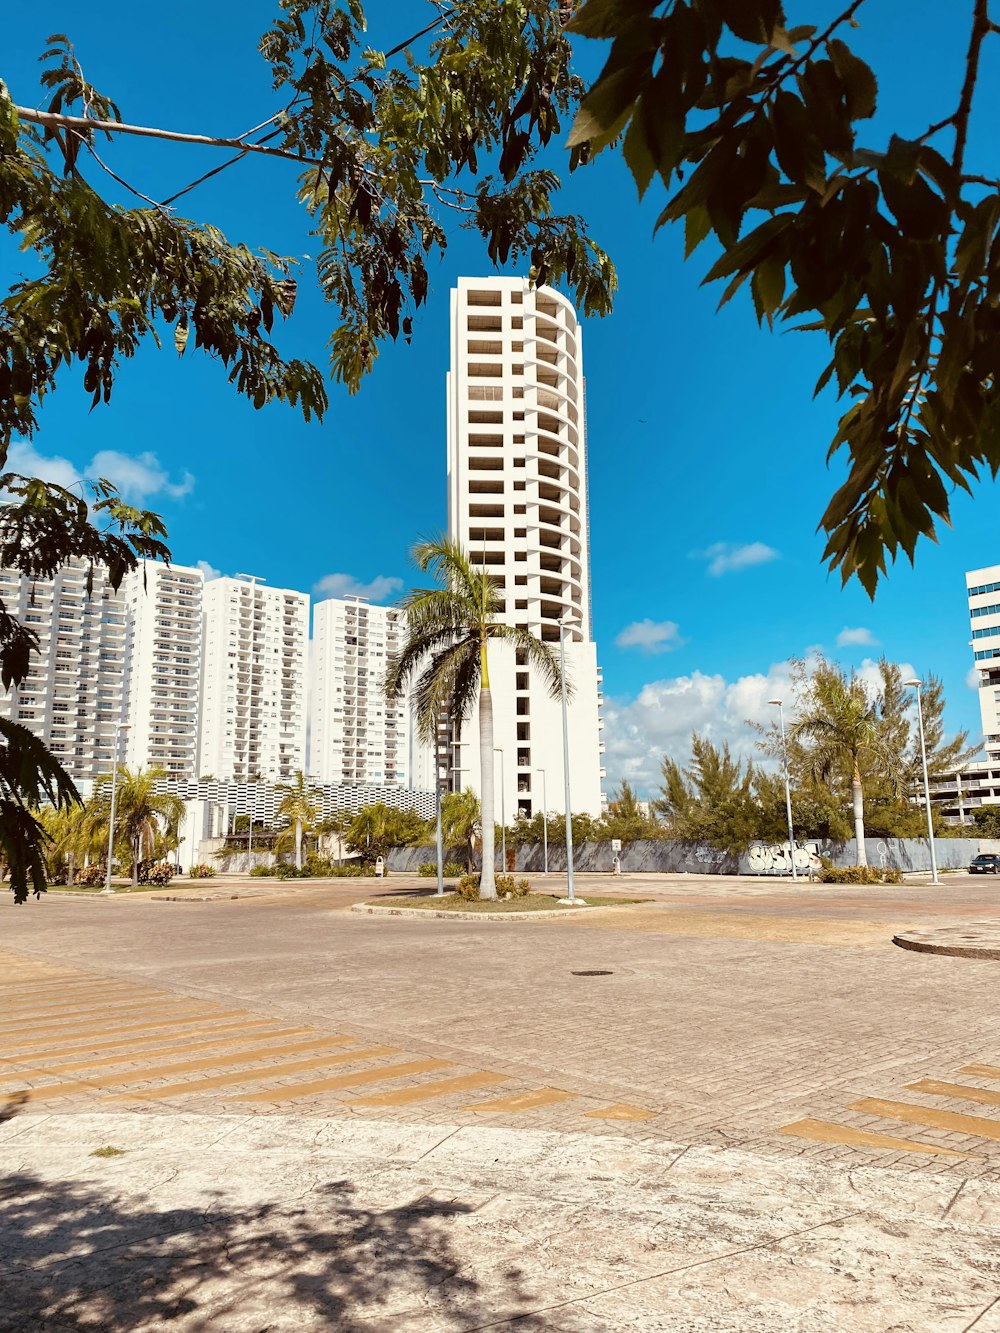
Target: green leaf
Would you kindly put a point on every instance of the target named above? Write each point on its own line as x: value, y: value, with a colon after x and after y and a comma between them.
x: 860, y: 84
x: 752, y: 20
x: 181, y: 335
x: 637, y: 156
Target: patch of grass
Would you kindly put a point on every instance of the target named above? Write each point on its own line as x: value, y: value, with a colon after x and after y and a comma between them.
x: 99, y: 888
x: 109, y: 1150
x: 534, y: 902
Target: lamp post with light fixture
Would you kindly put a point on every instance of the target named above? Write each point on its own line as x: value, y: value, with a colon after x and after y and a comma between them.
x: 570, y: 894
x: 119, y: 728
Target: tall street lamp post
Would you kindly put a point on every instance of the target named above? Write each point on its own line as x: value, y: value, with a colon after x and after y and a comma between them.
x: 545, y: 824
x: 915, y: 685
x: 788, y: 790
x: 570, y: 894
x: 119, y: 728
x: 503, y: 814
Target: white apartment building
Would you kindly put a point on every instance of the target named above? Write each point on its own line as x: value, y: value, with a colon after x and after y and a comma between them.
x: 357, y: 737
x: 162, y: 676
x: 72, y: 696
x: 983, y: 591
x: 517, y: 502
x: 253, y: 696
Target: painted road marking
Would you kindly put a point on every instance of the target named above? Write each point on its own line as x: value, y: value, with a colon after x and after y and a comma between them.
x: 426, y: 1091
x: 259, y: 1075
x: 825, y: 1131
x: 939, y: 1089
x: 382, y: 1075
x: 981, y: 1071
x: 140, y: 1049
x: 523, y: 1101
x: 621, y: 1112
x: 223, y: 1058
x: 102, y: 1029
x: 97, y: 1022
x: 60, y: 1049
x: 77, y: 1000
x: 921, y: 1115
x: 163, y: 1071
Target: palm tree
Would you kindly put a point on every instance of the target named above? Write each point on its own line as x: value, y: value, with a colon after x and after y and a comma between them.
x: 449, y: 630
x: 74, y: 833
x: 296, y: 807
x: 143, y: 816
x: 843, y: 729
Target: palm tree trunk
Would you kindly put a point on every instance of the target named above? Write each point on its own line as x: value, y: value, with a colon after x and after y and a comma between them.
x: 136, y: 853
x: 298, y: 844
x: 858, y: 800
x: 487, y: 881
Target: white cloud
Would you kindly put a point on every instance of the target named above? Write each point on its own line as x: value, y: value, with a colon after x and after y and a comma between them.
x: 208, y: 570
x: 972, y: 678
x: 138, y: 477
x: 346, y: 585
x: 859, y: 637
x: 652, y: 636
x: 727, y: 557
x: 659, y: 720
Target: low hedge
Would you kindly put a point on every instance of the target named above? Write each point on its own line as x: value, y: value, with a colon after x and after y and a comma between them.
x: 860, y: 875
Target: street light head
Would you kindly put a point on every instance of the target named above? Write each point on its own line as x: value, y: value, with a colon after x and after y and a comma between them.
x: 775, y: 701
x: 915, y: 683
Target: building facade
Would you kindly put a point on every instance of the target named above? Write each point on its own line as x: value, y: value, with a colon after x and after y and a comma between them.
x: 983, y: 592
x: 72, y: 697
x: 162, y: 667
x: 253, y: 690
x: 356, y: 736
x: 517, y: 503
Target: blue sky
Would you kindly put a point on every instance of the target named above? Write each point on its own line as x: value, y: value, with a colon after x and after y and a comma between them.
x: 706, y: 449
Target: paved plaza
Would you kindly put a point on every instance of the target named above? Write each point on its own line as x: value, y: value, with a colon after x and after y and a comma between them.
x: 630, y: 1094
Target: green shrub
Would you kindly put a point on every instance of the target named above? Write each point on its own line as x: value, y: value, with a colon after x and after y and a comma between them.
x: 509, y: 887
x: 451, y: 869
x: 860, y: 875
x: 293, y: 872
x: 90, y: 875
x: 262, y: 872
x: 468, y: 888
x: 152, y: 871
x: 201, y: 871
x: 319, y: 865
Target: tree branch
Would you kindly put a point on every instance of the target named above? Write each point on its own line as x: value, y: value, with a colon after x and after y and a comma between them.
x: 980, y: 27
x: 83, y: 123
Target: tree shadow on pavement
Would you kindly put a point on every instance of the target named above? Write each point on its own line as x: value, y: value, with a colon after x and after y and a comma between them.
x: 92, y: 1255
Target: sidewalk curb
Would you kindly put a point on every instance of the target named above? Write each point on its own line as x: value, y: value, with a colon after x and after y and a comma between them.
x: 424, y: 912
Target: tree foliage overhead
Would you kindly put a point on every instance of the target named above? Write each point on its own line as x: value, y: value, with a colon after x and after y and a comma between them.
x: 391, y: 148
x: 891, y: 249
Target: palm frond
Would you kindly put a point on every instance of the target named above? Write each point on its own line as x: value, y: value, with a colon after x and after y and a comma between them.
x: 540, y: 656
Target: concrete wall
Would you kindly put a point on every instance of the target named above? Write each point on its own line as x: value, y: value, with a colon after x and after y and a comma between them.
x: 689, y: 858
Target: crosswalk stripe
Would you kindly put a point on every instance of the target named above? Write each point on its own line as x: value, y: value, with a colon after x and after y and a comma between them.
x: 439, y: 1088
x: 981, y: 1071
x: 122, y: 1007
x: 620, y: 1111
x: 934, y: 1119
x: 380, y: 1075
x: 259, y: 1075
x: 139, y: 1049
x: 825, y: 1131
x: 73, y: 998
x: 940, y: 1089
x: 128, y: 1034
x: 523, y: 1101
x: 101, y: 1019
x: 182, y: 1067
x: 197, y: 1014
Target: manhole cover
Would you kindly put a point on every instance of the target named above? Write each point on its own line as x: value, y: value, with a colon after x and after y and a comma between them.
x: 594, y: 972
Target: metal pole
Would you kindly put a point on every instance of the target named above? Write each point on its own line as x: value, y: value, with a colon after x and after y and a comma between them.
x: 545, y: 824
x: 927, y: 785
x: 111, y: 820
x: 788, y: 789
x: 503, y: 815
x: 570, y: 894
x: 440, y: 847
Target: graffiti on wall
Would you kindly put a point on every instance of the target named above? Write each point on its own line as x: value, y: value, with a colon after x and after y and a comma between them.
x: 775, y: 858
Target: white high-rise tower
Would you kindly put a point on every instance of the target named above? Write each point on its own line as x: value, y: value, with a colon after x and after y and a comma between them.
x: 517, y: 503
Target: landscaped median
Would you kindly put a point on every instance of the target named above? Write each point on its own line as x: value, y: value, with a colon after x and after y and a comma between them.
x: 452, y: 905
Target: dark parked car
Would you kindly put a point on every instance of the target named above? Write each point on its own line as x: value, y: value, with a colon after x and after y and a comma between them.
x: 987, y: 863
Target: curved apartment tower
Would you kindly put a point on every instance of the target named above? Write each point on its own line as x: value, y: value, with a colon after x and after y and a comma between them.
x: 517, y: 502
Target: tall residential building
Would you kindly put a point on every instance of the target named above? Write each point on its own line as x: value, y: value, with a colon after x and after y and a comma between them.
x: 517, y: 502
x: 357, y: 737
x: 162, y: 679
x: 253, y: 697
x: 72, y: 696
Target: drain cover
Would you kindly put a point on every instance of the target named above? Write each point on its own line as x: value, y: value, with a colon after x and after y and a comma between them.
x: 594, y: 972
